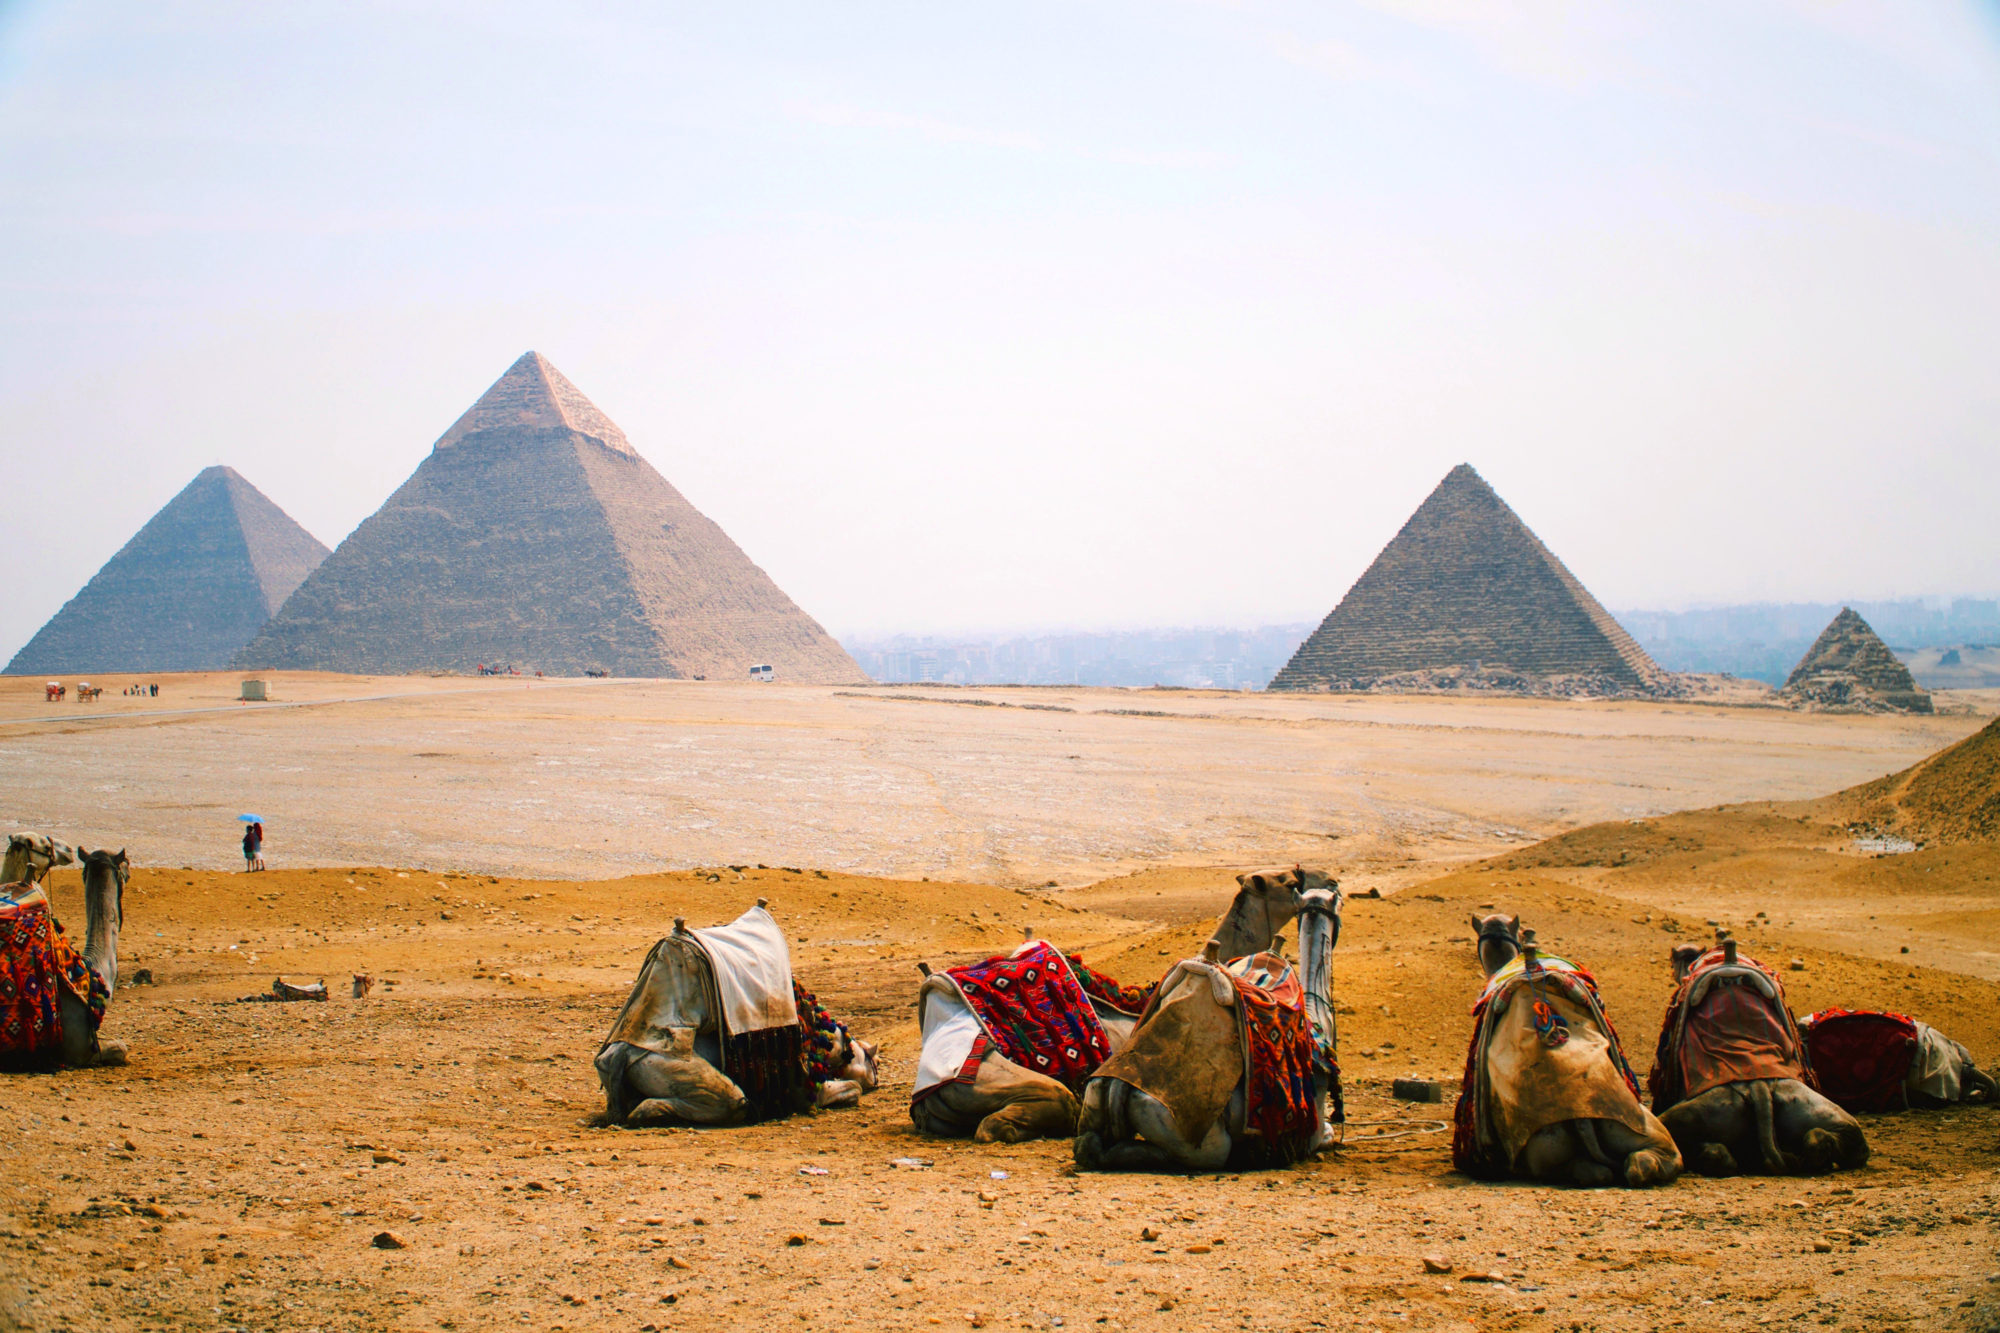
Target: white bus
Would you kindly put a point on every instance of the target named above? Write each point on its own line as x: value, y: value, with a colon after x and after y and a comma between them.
x: 765, y: 672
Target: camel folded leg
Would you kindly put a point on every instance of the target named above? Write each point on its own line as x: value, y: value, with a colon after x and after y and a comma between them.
x: 1003, y: 1103
x: 1595, y: 1153
x: 1777, y: 1126
x: 1123, y: 1128
x: 82, y: 1048
x: 679, y: 1087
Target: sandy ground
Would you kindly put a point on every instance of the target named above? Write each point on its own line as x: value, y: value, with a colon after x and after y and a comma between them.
x: 579, y: 779
x: 236, y: 1173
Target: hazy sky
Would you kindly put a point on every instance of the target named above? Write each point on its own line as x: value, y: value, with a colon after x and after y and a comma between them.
x: 991, y: 317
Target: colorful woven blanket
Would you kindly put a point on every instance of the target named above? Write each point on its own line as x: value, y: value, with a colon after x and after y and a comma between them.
x: 1032, y: 1006
x: 1277, y: 1070
x: 1125, y: 999
x: 1726, y: 1024
x: 38, y: 963
x: 1862, y: 1058
x: 1467, y: 1152
x: 825, y: 1036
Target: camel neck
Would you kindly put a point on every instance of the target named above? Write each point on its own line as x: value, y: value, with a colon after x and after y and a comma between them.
x: 1316, y: 941
x: 100, y: 909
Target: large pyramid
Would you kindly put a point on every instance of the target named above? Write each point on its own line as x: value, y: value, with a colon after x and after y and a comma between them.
x: 187, y: 592
x: 1465, y: 593
x: 535, y: 536
x: 1849, y: 667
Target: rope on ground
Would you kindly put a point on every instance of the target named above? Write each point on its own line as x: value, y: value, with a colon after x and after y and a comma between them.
x: 1395, y: 1129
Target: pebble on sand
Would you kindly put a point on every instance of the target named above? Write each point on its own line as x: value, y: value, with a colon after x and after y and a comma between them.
x: 1436, y: 1264
x: 388, y: 1240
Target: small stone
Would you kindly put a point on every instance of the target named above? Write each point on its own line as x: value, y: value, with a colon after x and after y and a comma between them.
x: 795, y: 1239
x: 390, y: 1159
x: 1436, y: 1264
x: 1167, y: 1303
x: 1822, y: 1247
x: 1798, y: 965
x: 1417, y: 1090
x: 1148, y: 1234
x: 1482, y: 1277
x: 832, y: 1222
x: 675, y: 1261
x: 1962, y: 1219
x: 388, y: 1240
x: 1200, y: 1249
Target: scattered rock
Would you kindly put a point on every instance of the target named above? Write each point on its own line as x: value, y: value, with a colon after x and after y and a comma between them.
x: 675, y: 1261
x: 1435, y: 1264
x: 795, y: 1239
x: 388, y: 1240
x: 1148, y: 1234
x: 1417, y: 1090
x: 1798, y: 965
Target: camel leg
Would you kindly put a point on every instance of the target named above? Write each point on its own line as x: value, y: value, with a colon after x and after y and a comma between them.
x: 1641, y: 1160
x: 1004, y: 1103
x: 81, y: 1048
x: 683, y: 1090
x: 1828, y: 1138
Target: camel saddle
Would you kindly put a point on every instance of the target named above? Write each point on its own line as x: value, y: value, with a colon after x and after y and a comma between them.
x: 1727, y: 1023
x: 37, y: 964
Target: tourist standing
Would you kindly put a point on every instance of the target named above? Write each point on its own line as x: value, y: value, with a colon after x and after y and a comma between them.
x: 253, y: 847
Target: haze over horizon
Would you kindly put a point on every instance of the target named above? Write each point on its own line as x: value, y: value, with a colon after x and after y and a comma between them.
x: 1100, y: 315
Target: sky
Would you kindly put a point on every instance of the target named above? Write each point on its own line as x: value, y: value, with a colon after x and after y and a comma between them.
x: 1037, y: 316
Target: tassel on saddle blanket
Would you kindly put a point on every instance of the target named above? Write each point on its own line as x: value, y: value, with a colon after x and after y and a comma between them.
x: 824, y: 1035
x: 38, y: 963
x: 1727, y: 1023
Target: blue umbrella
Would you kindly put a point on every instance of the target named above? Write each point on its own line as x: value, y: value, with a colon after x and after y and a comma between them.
x: 250, y: 819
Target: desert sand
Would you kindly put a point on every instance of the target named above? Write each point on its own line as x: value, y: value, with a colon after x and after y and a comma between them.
x: 500, y: 854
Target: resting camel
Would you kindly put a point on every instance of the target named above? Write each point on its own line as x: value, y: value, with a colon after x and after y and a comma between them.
x: 1728, y: 1079
x: 95, y: 972
x: 723, y: 999
x: 1178, y: 1097
x: 30, y: 857
x: 1002, y: 1101
x: 1872, y: 1060
x: 1547, y: 1092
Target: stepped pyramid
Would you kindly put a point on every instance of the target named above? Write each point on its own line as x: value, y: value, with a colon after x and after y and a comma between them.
x: 1466, y: 590
x: 187, y: 592
x: 535, y: 536
x: 1849, y: 667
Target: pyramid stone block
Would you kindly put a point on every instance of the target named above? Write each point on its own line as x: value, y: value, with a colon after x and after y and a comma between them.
x: 1849, y: 668
x: 1466, y: 596
x: 535, y: 536
x: 187, y: 592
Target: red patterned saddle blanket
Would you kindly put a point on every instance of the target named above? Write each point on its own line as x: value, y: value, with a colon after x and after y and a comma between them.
x: 38, y: 964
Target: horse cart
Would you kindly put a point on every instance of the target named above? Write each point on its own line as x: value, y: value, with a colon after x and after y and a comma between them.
x: 54, y: 691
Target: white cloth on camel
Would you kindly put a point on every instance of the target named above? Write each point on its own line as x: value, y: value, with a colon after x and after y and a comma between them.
x: 753, y: 972
x: 948, y: 1027
x: 1937, y: 1069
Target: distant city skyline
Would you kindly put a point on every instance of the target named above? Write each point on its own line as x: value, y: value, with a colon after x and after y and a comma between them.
x: 1093, y: 314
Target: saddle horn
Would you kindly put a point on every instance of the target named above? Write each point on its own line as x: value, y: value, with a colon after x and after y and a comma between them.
x: 924, y: 968
x: 1729, y: 950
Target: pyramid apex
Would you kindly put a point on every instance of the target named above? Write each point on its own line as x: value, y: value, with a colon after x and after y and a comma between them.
x: 533, y: 394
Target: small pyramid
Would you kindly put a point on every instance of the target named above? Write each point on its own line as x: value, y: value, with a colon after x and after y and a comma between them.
x: 1466, y: 594
x: 534, y: 536
x: 1850, y: 668
x: 187, y: 592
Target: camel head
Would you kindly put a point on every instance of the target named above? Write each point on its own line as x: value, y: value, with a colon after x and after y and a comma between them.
x: 30, y: 856
x: 1265, y: 901
x: 102, y: 870
x: 1683, y: 958
x: 862, y: 1064
x: 1498, y: 939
